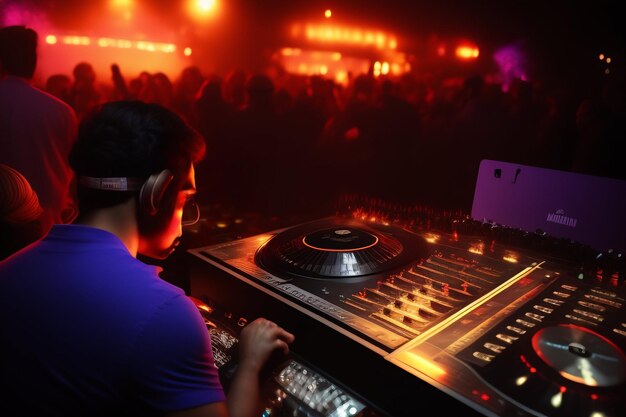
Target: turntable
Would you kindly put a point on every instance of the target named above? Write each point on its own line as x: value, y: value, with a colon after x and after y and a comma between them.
x: 338, y: 249
x: 432, y: 314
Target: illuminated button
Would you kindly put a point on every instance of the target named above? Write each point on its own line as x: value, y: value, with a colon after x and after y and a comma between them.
x: 603, y: 300
x: 332, y: 392
x: 535, y: 316
x: 605, y: 293
x: 483, y: 356
x: 589, y: 314
x: 544, y: 309
x: 308, y: 395
x: 580, y: 319
x: 494, y: 348
x: 506, y: 338
x: 592, y: 306
x: 553, y: 301
x: 560, y: 294
x: 319, y: 399
x: 300, y: 379
x: 525, y: 323
x: 516, y: 329
x: 286, y: 375
x: 620, y: 331
x: 339, y: 401
x: 307, y: 386
x: 569, y: 287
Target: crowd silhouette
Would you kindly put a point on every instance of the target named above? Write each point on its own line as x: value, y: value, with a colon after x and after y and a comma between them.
x: 287, y: 143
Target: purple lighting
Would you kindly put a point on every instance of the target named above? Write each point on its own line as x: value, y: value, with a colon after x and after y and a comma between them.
x: 512, y: 62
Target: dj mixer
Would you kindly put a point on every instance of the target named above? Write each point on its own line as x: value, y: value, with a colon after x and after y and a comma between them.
x: 395, y: 308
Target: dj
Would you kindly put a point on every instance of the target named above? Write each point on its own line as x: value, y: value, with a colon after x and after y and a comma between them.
x: 86, y: 329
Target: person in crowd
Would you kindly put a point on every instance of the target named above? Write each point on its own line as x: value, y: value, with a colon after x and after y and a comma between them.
x: 164, y: 89
x: 59, y: 85
x: 235, y: 87
x: 120, y: 88
x: 37, y: 129
x: 84, y: 94
x: 214, y: 119
x: 258, y: 140
x: 22, y: 219
x: 86, y: 328
x: 600, y: 130
x: 185, y: 90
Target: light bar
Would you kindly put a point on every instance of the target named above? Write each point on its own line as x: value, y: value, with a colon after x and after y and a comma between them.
x: 166, y: 48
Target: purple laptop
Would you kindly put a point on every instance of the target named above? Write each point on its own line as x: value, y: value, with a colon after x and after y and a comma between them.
x: 587, y: 209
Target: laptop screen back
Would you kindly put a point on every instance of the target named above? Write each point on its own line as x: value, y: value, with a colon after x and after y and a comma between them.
x: 586, y: 209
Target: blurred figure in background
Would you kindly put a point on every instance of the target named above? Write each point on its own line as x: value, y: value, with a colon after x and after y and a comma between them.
x: 37, y: 129
x: 22, y: 220
x: 214, y: 118
x: 185, y: 90
x: 59, y: 85
x: 146, y: 91
x: 235, y: 88
x: 84, y: 95
x: 601, y: 129
x: 260, y: 149
x: 120, y: 88
x: 164, y: 89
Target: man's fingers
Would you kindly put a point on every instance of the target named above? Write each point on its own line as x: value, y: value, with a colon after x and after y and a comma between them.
x: 286, y: 336
x: 282, y: 346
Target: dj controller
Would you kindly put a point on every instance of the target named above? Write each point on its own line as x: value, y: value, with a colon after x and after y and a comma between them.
x: 394, y: 308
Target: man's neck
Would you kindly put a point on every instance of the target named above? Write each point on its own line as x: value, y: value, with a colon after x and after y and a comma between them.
x: 119, y: 220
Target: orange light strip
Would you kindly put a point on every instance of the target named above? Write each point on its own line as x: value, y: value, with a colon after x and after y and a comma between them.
x: 166, y: 48
x: 338, y: 34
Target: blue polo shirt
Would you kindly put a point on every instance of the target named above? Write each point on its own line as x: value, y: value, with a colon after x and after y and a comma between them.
x: 87, y: 329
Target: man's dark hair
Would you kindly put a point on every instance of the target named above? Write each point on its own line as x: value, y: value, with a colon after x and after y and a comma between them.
x: 18, y: 51
x: 131, y: 139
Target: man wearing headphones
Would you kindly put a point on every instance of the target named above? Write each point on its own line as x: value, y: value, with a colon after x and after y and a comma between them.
x: 86, y: 329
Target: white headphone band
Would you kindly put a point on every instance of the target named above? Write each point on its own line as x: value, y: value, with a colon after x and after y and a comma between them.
x: 111, y: 183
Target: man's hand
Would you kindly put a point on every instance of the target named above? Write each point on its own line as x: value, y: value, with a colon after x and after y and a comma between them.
x: 257, y: 342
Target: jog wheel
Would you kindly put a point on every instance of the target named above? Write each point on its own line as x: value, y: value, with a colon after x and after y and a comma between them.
x: 340, y: 248
x: 581, y: 355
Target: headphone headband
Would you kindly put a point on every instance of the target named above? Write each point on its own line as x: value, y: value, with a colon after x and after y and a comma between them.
x: 111, y: 183
x: 151, y: 191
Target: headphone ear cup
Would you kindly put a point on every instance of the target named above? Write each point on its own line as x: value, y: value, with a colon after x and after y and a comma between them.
x: 145, y: 194
x: 152, y: 191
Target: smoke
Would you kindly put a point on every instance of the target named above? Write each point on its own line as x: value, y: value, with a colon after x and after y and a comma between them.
x: 23, y: 13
